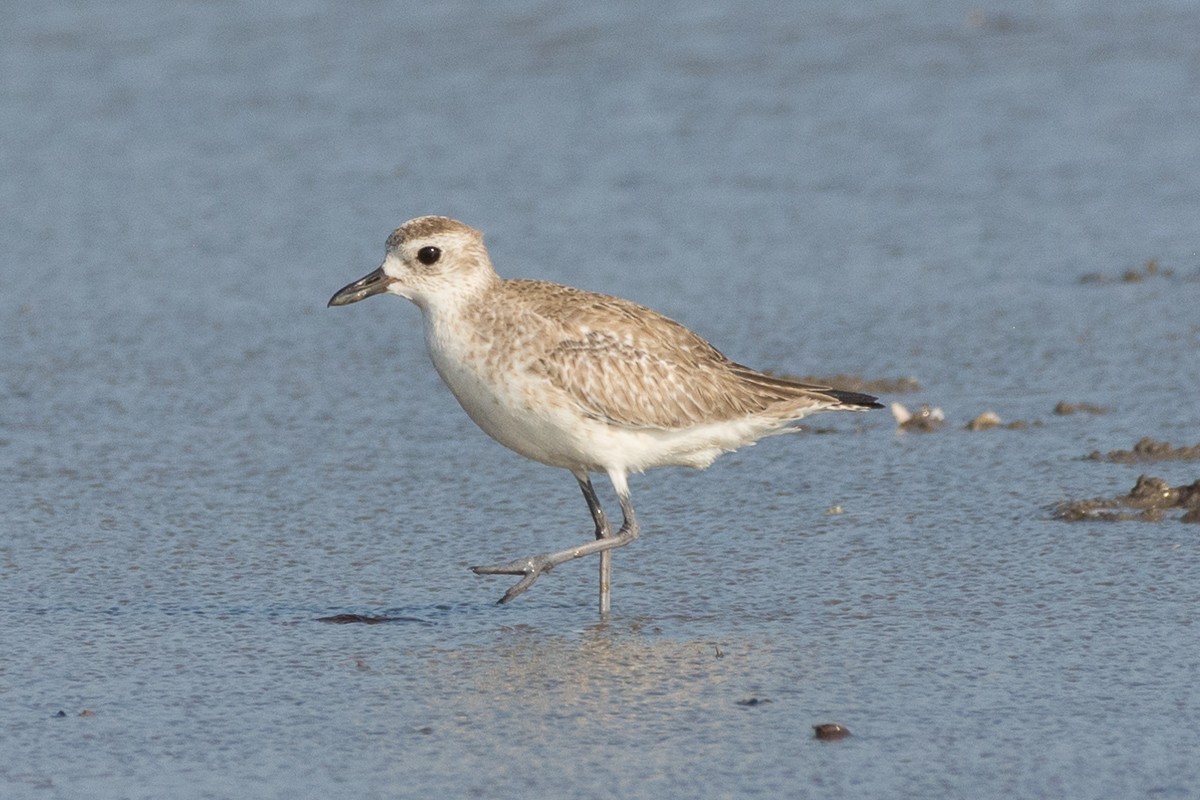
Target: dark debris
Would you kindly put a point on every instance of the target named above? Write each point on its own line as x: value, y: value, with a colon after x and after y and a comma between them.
x: 830, y: 731
x: 364, y: 619
x: 1148, y: 449
x: 1148, y: 501
x: 1149, y: 270
x: 1063, y: 408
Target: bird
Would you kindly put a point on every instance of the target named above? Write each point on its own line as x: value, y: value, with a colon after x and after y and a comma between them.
x: 578, y: 380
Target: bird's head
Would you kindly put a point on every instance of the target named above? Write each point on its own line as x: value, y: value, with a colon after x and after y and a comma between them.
x: 433, y: 261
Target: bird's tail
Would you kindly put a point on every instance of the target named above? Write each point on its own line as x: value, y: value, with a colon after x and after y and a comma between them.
x: 852, y: 401
x: 779, y: 389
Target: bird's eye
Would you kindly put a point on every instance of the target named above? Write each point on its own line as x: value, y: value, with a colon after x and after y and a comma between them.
x: 428, y: 255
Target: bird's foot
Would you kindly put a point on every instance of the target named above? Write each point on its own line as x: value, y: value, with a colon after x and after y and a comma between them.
x: 531, y: 568
x: 534, y: 567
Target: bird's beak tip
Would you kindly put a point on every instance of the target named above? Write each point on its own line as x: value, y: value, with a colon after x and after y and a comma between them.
x: 364, y: 287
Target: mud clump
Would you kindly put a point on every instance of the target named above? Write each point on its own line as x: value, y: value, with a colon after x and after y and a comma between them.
x: 1149, y: 270
x: 990, y: 419
x: 1148, y: 501
x: 1148, y: 449
x: 830, y: 731
x: 1065, y: 409
x: 751, y: 702
x: 985, y: 421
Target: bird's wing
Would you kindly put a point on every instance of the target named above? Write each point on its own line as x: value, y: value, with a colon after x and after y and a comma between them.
x: 630, y: 366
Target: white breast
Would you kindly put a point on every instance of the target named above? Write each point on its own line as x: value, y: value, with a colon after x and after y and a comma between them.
x: 505, y: 401
x: 525, y: 412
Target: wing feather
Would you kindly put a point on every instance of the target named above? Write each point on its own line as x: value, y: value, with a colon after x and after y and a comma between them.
x: 630, y: 366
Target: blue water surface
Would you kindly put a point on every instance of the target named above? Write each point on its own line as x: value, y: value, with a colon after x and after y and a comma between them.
x: 198, y: 461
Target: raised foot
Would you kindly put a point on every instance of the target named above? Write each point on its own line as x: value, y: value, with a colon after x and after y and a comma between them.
x: 532, y: 568
x: 535, y: 566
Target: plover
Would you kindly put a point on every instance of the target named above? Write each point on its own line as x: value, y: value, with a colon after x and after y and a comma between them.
x: 579, y: 380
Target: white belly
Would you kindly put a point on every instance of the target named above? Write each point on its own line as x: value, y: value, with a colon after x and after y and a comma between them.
x: 528, y: 414
x: 538, y: 421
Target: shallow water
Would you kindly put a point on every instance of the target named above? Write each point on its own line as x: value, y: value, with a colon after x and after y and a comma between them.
x: 199, y: 461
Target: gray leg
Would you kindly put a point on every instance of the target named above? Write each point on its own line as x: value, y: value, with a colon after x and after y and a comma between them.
x: 533, y: 567
x: 603, y: 531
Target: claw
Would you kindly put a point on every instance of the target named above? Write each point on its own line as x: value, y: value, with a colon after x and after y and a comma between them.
x: 519, y: 589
